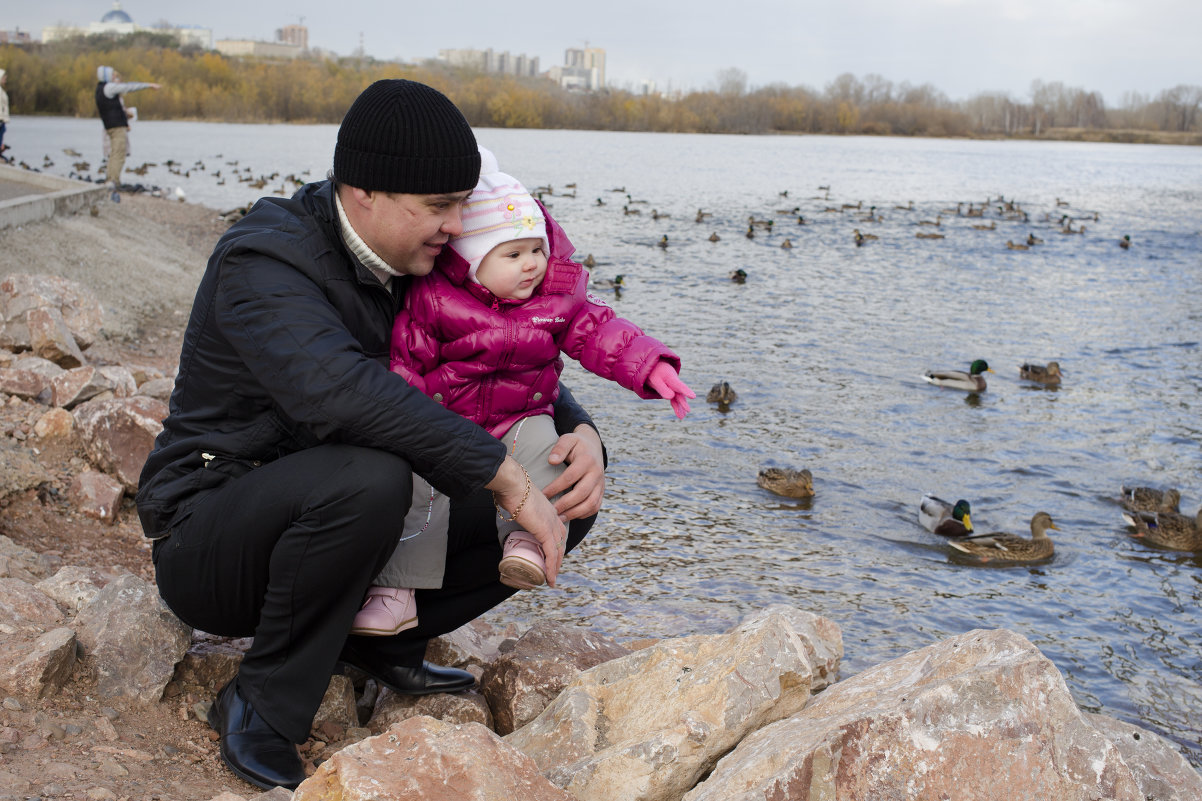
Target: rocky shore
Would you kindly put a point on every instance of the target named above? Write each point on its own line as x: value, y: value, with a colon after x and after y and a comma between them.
x: 104, y: 694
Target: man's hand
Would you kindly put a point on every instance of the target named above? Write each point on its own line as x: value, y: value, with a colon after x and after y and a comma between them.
x: 583, y: 481
x: 512, y: 490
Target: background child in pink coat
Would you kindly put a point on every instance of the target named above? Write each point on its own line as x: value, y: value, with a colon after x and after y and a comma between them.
x: 483, y: 334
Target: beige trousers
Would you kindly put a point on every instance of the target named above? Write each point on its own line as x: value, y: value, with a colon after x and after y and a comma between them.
x: 118, y: 147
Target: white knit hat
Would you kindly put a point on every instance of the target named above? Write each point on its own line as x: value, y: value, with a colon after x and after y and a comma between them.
x: 499, y: 210
x: 104, y: 74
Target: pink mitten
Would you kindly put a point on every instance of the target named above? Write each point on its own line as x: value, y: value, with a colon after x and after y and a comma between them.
x: 667, y: 383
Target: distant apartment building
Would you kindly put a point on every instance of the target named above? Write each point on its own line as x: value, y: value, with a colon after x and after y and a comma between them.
x: 253, y: 48
x: 291, y: 41
x: 294, y: 35
x: 17, y: 37
x: 489, y: 61
x: 118, y: 23
x: 583, y: 70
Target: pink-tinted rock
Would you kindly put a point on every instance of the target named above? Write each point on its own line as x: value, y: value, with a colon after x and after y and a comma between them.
x: 37, y: 666
x: 50, y: 338
x: 54, y: 424
x: 118, y: 434
x: 25, y: 384
x: 26, y: 608
x: 521, y: 682
x: 74, y: 386
x: 983, y: 716
x: 23, y: 292
x: 391, y: 709
x: 423, y: 758
x: 97, y: 495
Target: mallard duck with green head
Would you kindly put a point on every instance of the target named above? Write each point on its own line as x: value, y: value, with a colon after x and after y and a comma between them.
x: 972, y: 381
x: 1167, y: 529
x: 1000, y: 546
x: 940, y: 517
x: 1049, y: 374
x: 786, y: 481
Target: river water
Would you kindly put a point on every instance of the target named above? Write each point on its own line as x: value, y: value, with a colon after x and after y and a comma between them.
x: 825, y: 344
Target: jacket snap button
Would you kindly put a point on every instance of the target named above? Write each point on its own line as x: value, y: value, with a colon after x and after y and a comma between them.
x: 538, y: 396
x: 438, y: 397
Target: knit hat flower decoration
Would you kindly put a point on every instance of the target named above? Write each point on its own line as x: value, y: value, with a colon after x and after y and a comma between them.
x: 499, y: 210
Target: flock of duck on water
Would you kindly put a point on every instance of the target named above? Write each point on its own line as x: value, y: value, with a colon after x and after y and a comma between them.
x: 975, y: 216
x: 1152, y: 514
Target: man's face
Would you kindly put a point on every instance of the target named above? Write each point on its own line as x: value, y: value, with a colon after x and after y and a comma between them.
x: 408, y: 231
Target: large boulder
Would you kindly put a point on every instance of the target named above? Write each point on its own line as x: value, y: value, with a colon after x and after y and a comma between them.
x: 118, y: 434
x: 132, y: 638
x: 647, y: 726
x: 23, y: 293
x: 983, y: 716
x: 520, y: 682
x: 431, y: 760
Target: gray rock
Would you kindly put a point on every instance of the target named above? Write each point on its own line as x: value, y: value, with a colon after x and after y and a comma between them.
x: 132, y: 638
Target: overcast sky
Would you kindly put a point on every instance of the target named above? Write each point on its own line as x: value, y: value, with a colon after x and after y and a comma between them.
x: 962, y: 47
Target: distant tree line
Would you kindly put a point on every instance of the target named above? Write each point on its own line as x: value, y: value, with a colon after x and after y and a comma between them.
x: 59, y: 78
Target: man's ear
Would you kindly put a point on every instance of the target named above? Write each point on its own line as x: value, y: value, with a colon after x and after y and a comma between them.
x: 360, y: 198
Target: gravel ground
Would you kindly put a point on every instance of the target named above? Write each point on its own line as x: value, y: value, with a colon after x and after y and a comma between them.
x: 142, y: 259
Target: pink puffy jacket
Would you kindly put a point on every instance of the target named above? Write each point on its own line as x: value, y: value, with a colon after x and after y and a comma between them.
x: 496, y: 361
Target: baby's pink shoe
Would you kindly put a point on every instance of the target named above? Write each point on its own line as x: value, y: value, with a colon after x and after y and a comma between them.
x: 386, y: 611
x: 523, y: 565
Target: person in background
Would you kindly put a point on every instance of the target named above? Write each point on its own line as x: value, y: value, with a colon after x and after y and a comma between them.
x: 482, y: 335
x: 3, y: 113
x: 276, y: 490
x: 110, y: 102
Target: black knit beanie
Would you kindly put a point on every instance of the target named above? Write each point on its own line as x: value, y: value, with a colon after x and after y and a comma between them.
x: 404, y: 136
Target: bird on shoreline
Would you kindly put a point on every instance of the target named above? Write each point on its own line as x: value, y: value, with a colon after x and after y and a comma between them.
x: 1011, y: 548
x: 940, y: 517
x: 971, y: 381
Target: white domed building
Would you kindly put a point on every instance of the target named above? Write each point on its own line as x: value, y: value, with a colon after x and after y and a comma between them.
x: 116, y: 22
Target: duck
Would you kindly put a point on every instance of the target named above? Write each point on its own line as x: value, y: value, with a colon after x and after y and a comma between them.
x: 617, y: 282
x: 1033, y: 240
x: 739, y: 276
x: 1125, y: 242
x: 656, y: 214
x: 1011, y: 548
x: 908, y: 207
x: 1014, y: 246
x: 722, y: 394
x: 862, y: 238
x: 1038, y: 372
x: 1150, y: 499
x: 992, y: 226
x: 786, y: 481
x: 628, y: 211
x: 1168, y: 529
x: 972, y: 381
x: 938, y: 221
x: 702, y: 215
x: 663, y: 242
x: 787, y: 244
x: 714, y: 237
x: 921, y: 235
x: 750, y: 232
x: 940, y: 517
x: 589, y: 261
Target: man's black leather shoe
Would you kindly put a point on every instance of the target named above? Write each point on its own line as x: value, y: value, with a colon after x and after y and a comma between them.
x: 425, y: 680
x: 252, y: 749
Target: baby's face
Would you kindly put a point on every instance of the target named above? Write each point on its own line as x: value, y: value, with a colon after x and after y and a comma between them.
x: 513, y: 270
